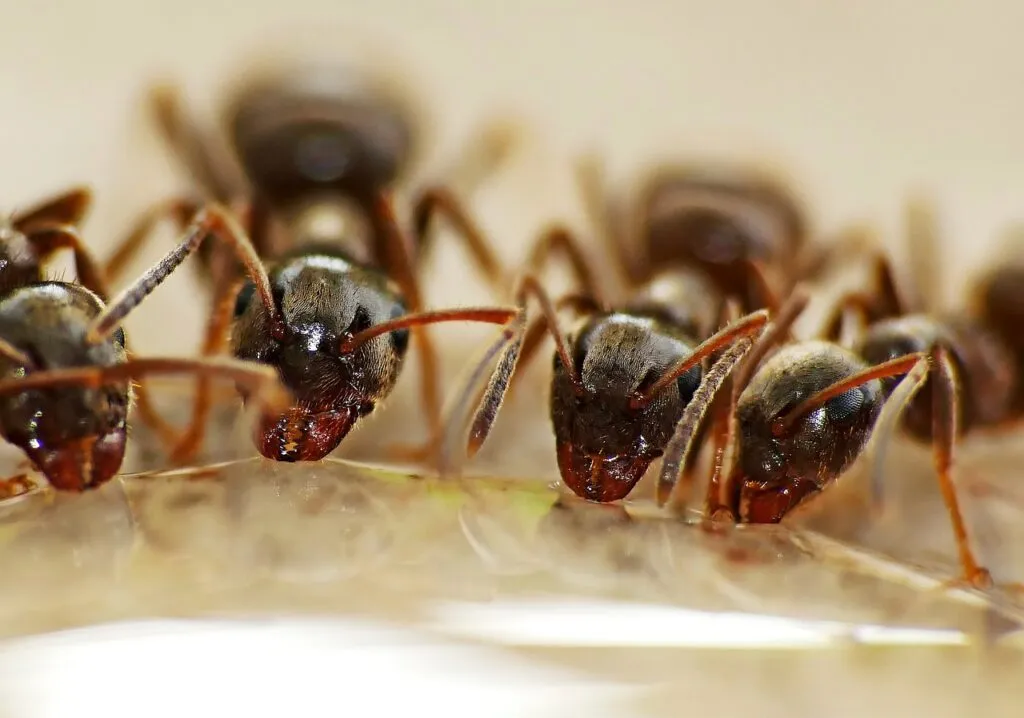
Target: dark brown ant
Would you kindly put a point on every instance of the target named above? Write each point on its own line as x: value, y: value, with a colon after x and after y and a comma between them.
x: 65, y: 374
x: 742, y: 227
x: 320, y: 154
x: 974, y: 382
x: 622, y: 378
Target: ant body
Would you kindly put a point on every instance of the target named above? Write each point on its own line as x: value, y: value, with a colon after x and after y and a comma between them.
x: 65, y: 374
x: 319, y: 154
x: 741, y: 227
x: 621, y: 378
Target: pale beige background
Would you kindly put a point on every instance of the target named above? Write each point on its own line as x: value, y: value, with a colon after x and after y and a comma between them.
x: 860, y: 102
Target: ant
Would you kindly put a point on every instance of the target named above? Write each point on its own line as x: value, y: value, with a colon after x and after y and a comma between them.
x: 65, y: 373
x: 320, y: 154
x: 742, y: 227
x: 621, y: 378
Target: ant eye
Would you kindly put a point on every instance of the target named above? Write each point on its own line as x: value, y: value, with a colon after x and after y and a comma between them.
x: 688, y: 384
x: 245, y: 295
x: 399, y: 338
x: 118, y: 337
x: 845, y: 406
x: 360, y: 321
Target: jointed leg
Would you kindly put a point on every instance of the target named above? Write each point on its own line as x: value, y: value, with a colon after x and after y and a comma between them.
x: 945, y: 407
x: 606, y: 219
x: 218, y: 332
x: 67, y: 208
x: 440, y: 200
x: 48, y: 238
x: 179, y: 210
x: 200, y: 157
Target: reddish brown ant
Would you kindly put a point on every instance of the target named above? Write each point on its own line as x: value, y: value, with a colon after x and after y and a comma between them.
x: 740, y: 226
x: 320, y: 153
x: 65, y: 374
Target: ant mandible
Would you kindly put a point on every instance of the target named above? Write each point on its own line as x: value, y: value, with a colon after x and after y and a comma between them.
x: 65, y: 373
x: 320, y: 153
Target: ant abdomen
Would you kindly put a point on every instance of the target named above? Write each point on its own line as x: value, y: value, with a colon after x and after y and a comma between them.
x: 721, y: 223
x: 999, y: 305
x: 321, y: 129
x: 982, y: 363
x: 604, y: 445
x: 76, y: 435
x: 782, y: 463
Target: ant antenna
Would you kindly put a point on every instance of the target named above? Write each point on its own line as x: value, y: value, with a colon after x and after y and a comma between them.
x: 678, y: 449
x: 212, y: 219
x: 259, y: 378
x: 746, y: 327
x: 486, y: 315
x: 893, y: 367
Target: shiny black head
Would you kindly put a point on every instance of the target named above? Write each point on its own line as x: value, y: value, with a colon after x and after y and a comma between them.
x: 74, y: 435
x: 322, y: 299
x: 604, y: 446
x: 781, y: 468
x: 324, y: 129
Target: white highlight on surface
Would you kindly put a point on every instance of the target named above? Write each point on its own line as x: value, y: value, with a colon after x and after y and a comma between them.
x: 280, y: 668
x: 597, y: 623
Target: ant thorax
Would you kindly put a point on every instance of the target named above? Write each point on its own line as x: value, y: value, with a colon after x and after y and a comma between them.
x: 331, y: 219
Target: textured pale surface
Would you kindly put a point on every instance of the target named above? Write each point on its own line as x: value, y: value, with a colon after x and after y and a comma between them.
x: 861, y: 103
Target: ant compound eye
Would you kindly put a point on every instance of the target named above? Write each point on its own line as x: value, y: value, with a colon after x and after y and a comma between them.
x: 118, y: 336
x: 360, y: 320
x: 845, y: 406
x: 399, y: 338
x: 244, y: 298
x: 688, y: 384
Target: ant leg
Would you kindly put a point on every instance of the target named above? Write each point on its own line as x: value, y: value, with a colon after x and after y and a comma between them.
x: 465, y: 433
x: 67, y: 208
x: 179, y: 210
x: 218, y: 331
x: 396, y: 248
x: 559, y: 240
x: 605, y: 217
x: 681, y: 445
x: 441, y: 200
x: 48, y: 238
x: 923, y: 245
x: 202, y: 158
x: 482, y: 155
x: 211, y: 220
x: 884, y: 302
x: 945, y: 407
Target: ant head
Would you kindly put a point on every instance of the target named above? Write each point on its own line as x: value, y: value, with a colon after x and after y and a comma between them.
x: 75, y: 435
x: 604, y: 442
x: 784, y: 462
x: 321, y: 300
x: 321, y: 129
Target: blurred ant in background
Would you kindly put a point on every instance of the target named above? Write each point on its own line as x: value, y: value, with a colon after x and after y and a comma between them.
x: 320, y: 149
x: 65, y: 374
x: 741, y: 227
